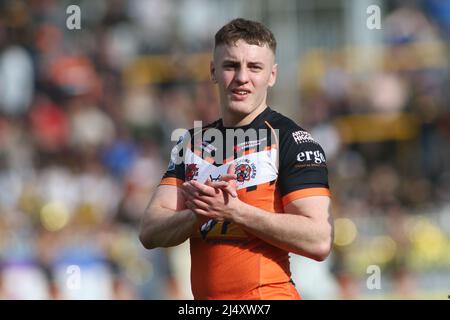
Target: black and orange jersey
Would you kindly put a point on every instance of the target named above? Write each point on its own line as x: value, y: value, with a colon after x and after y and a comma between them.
x: 272, y: 170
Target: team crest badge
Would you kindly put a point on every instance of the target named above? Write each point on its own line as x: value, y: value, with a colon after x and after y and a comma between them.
x: 245, y: 171
x: 191, y: 171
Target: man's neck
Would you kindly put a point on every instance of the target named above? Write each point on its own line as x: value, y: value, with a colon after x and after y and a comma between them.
x: 238, y: 120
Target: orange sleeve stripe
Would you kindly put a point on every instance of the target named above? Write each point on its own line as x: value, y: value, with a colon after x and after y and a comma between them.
x: 171, y: 182
x: 274, y: 133
x: 294, y: 195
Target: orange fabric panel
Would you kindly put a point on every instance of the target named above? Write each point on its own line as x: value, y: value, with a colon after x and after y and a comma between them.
x: 250, y: 265
x: 279, y: 291
x: 266, y: 197
x: 298, y: 194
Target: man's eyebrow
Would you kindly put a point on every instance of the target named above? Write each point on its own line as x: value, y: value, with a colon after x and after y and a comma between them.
x: 231, y: 61
x: 256, y: 63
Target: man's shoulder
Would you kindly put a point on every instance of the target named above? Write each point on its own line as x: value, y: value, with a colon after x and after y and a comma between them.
x: 279, y: 121
x: 202, y: 127
x: 288, y: 128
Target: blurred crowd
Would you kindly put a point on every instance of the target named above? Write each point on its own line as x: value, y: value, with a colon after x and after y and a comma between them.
x: 386, y: 129
x: 85, y: 136
x: 81, y: 150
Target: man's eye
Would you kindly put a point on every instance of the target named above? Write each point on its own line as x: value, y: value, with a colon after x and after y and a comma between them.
x: 229, y: 66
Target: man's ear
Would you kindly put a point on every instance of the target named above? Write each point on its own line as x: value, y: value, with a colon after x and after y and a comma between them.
x: 273, y: 75
x: 212, y: 70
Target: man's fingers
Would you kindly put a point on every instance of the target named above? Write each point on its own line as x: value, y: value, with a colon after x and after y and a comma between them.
x: 231, y: 168
x: 189, y: 205
x: 228, y: 177
x: 204, y: 199
x: 231, y: 172
x: 185, y: 194
x: 218, y: 184
x: 199, y: 204
x: 230, y: 190
x: 208, y: 182
x: 190, y: 191
x: 195, y: 189
x: 225, y: 186
x: 203, y: 189
x: 198, y: 211
x: 202, y: 213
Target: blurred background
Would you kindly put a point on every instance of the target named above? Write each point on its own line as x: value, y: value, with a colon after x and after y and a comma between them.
x: 86, y: 117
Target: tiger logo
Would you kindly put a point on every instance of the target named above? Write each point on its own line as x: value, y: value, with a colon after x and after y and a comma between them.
x: 243, y: 172
x: 191, y: 171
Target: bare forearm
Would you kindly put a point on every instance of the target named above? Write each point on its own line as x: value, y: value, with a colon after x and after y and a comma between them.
x: 167, y: 228
x: 291, y: 232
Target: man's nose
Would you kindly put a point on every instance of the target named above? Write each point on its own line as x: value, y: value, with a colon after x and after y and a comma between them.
x: 242, y: 75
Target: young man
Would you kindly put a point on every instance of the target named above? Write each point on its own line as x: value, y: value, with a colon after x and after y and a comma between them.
x: 246, y: 210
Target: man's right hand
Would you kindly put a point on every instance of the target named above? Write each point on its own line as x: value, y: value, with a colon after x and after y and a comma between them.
x: 227, y: 182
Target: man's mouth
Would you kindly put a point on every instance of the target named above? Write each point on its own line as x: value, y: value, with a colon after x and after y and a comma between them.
x: 240, y: 93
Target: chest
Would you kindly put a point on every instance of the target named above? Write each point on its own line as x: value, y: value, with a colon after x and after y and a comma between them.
x: 251, y: 169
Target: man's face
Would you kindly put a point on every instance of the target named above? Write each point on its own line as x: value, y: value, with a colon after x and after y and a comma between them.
x: 243, y: 73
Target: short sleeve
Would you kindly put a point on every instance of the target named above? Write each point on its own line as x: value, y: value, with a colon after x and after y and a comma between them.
x: 303, y: 169
x: 175, y: 170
